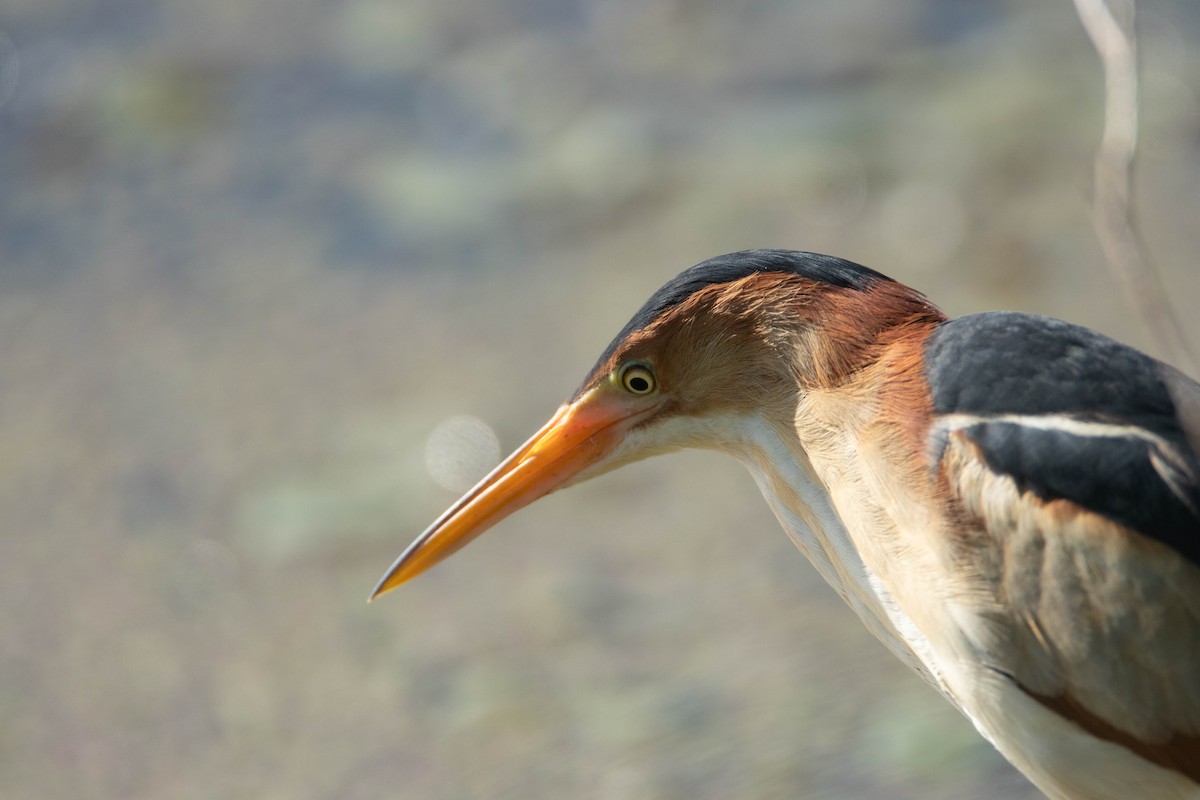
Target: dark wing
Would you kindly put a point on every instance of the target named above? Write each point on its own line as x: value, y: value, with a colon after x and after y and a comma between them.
x: 1073, y: 458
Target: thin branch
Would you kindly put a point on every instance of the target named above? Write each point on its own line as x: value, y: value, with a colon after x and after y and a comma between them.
x: 1116, y: 41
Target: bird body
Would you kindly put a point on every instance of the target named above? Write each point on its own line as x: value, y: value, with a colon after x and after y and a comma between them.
x: 1010, y: 503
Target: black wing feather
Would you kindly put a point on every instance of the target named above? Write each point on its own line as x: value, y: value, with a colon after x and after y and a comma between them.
x: 998, y: 365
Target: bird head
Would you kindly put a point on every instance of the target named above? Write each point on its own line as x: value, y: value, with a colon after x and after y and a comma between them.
x: 739, y: 337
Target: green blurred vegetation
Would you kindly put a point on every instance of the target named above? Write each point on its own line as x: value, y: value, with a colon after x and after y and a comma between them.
x: 253, y: 253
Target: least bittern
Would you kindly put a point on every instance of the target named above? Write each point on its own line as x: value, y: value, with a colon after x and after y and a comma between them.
x: 1011, y: 503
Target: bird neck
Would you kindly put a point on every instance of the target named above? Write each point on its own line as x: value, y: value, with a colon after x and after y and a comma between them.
x: 863, y: 437
x: 850, y: 335
x: 859, y: 410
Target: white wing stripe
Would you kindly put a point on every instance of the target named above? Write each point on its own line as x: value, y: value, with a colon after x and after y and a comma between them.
x: 1054, y: 422
x: 1168, y: 462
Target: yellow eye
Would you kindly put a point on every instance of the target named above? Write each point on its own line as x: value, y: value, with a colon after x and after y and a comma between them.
x: 637, y: 379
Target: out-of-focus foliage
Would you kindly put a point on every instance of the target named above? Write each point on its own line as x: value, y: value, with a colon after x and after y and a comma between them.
x: 254, y: 252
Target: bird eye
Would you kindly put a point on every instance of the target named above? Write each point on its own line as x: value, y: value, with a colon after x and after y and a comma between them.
x: 637, y: 379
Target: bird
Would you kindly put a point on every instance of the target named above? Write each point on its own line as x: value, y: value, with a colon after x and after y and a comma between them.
x: 1009, y: 502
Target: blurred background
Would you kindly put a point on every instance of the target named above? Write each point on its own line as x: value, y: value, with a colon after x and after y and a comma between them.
x: 278, y: 278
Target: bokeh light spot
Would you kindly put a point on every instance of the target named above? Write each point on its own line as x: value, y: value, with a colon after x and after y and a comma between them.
x: 460, y: 451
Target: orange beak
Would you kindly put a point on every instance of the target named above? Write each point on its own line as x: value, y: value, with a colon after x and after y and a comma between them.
x: 576, y: 437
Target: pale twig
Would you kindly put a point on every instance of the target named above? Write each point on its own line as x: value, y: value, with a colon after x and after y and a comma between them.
x: 1115, y: 40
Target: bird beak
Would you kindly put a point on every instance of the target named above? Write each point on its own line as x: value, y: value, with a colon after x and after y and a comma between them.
x: 576, y: 437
